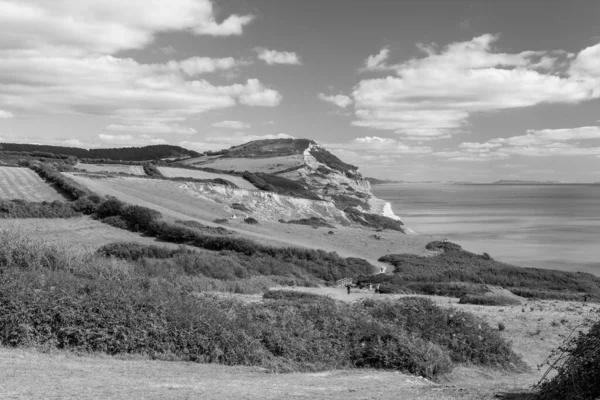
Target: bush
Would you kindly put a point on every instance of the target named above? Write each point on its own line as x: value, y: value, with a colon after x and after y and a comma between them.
x: 315, y: 222
x: 26, y: 209
x: 240, y: 207
x: 115, y: 221
x: 110, y: 208
x: 136, y: 251
x: 577, y: 366
x: 251, y: 221
x: 441, y: 274
x: 489, y: 300
x: 52, y: 297
x: 152, y: 170
x: 374, y: 220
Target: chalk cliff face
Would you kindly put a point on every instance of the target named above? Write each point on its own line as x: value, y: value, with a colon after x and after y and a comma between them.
x: 343, y: 191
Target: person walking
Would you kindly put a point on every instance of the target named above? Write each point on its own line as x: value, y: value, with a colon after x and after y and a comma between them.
x: 348, y: 287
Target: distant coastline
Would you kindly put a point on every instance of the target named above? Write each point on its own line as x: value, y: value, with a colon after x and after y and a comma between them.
x: 375, y: 181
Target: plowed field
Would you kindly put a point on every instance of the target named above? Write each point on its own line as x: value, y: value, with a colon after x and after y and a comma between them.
x: 24, y: 184
x: 197, y: 174
x: 115, y: 168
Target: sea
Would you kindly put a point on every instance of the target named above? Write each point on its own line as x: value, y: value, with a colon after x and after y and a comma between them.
x: 542, y: 226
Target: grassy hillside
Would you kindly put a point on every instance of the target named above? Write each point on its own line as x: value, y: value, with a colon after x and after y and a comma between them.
x: 124, y: 153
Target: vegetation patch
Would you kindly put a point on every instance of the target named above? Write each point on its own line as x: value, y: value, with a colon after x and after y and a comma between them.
x: 315, y: 222
x: 280, y: 185
x: 205, y: 228
x: 374, y: 220
x: 240, y: 207
x: 577, y: 366
x: 26, y: 209
x: 342, y: 202
x: 325, y: 157
x: 441, y: 273
x: 53, y: 298
x: 250, y: 221
x: 152, y: 170
x: 136, y: 251
x: 489, y: 300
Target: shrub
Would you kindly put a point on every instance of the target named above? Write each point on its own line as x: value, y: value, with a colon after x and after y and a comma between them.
x: 240, y: 207
x: 501, y: 326
x: 312, y: 221
x: 577, y: 366
x: 26, y: 209
x: 50, y: 297
x: 489, y: 300
x: 204, y: 228
x: 152, y: 170
x: 440, y: 274
x: 115, y: 221
x: 373, y: 220
x: 110, y: 208
x: 136, y: 251
x: 139, y: 218
x: 221, y: 221
x: 251, y: 221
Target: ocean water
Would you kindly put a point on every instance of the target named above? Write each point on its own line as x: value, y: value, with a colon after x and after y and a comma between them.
x: 543, y: 226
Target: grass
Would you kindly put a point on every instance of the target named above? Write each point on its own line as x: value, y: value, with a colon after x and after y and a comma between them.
x: 455, y: 272
x: 52, y: 297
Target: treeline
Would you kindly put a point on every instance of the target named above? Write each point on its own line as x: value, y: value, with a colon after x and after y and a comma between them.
x: 154, y: 152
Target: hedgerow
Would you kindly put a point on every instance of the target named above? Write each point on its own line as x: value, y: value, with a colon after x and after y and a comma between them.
x: 25, y: 209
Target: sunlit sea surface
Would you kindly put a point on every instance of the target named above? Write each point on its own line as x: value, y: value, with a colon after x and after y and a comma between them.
x: 544, y: 226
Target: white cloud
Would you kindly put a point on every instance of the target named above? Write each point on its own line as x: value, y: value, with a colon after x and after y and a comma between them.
x: 377, y: 62
x: 219, y: 142
x: 339, y: 99
x: 231, y: 125
x: 272, y: 57
x: 60, y: 57
x: 536, y: 143
x: 6, y: 114
x: 433, y: 96
x: 129, y: 140
x: 373, y: 151
x: 105, y: 26
x: 153, y: 128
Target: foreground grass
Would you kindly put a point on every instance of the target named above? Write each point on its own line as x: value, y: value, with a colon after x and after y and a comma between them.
x: 56, y: 298
x: 456, y: 272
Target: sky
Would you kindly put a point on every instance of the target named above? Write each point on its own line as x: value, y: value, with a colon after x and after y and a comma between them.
x: 405, y: 90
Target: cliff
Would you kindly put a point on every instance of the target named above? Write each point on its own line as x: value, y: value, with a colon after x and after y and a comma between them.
x: 302, y: 168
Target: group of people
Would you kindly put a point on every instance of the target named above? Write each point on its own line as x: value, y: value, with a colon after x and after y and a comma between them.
x: 349, y: 287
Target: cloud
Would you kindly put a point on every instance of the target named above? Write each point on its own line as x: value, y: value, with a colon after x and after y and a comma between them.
x: 106, y: 26
x: 272, y: 57
x: 339, y: 100
x: 377, y: 62
x: 374, y: 151
x: 153, y: 128
x: 434, y: 96
x: 129, y: 140
x: 61, y: 57
x: 219, y: 142
x: 231, y: 125
x: 535, y: 143
x: 6, y: 114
